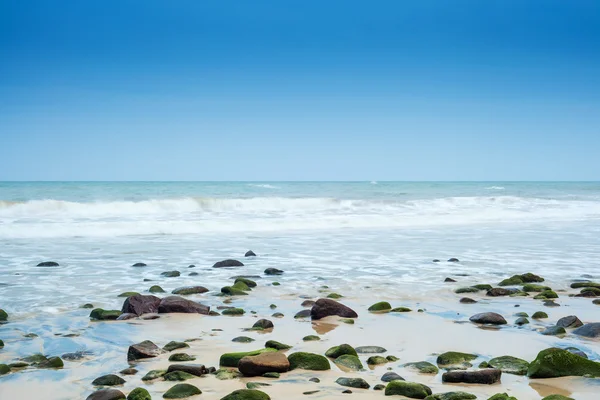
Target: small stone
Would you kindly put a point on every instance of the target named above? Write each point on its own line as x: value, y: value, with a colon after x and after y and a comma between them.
x: 381, y: 306
x: 423, y: 367
x: 343, y: 349
x: 188, y: 290
x: 467, y: 300
x: 242, y: 339
x: 138, y: 265
x: 521, y: 321
x: 154, y: 374
x: 233, y: 311
x: 407, y: 389
x: 177, y: 376
x: 175, y: 346
x: 349, y: 362
x: 488, y: 318
x: 170, y: 274
x: 272, y: 344
x: 156, y: 289
x: 227, y: 264
x: 391, y: 376
x: 302, y: 314
x: 376, y: 360
x: 247, y: 394
x: 273, y: 271
x: 449, y: 280
x: 453, y: 259
x: 315, y: 380
x: 539, y: 315
x: 379, y: 387
x: 249, y: 253
x: 48, y: 264
x: 129, y: 371
x: 311, y: 338
x: 357, y: 383
x: 263, y: 324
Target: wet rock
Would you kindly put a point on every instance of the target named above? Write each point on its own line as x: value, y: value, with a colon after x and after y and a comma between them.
x: 242, y: 339
x: 272, y: 375
x: 139, y: 394
x: 86, y: 305
x: 141, y: 304
x: 596, y: 302
x: 188, y: 290
x: 76, y: 356
x: 178, y: 376
x: 170, y: 274
x: 453, y: 259
x: 100, y: 314
x: 156, y: 289
x: 153, y: 374
x: 273, y: 271
x: 173, y: 345
x: 277, y: 315
x: 48, y: 264
x: 307, y: 303
x: 248, y: 282
x: 311, y: 338
x: 334, y: 296
x: 145, y: 349
x: 176, y: 304
x: 546, y: 294
x: 356, y: 383
x: 370, y: 350
x: 327, y: 307
x: 539, y: 315
x: 554, y: 363
x: 521, y: 279
x: 126, y: 316
x: 272, y: 344
x: 521, y: 321
x: 391, y: 376
x: 227, y: 264
x: 467, y: 300
x: 263, y: 363
x: 127, y: 294
x: 181, y: 357
x: 576, y: 351
x: 379, y: 387
x: 232, y: 359
x: 589, y: 292
x: 106, y: 394
x: 482, y: 377
x: 569, y: 322
x: 455, y: 359
x: 423, y: 367
x: 4, y: 369
x: 555, y: 397
x: 196, y: 370
x: 308, y: 361
x: 381, y: 306
x: 227, y: 374
x: 502, y: 396
x: 588, y: 330
x: 303, y: 314
x: 349, y: 362
x: 181, y: 391
x: 451, y: 396
x: 376, y: 360
x: 255, y: 385
x: 510, y: 365
x: 263, y: 324
x: 348, y: 321
x: 233, y: 311
x: 193, y: 274
x: 249, y: 253
x: 129, y: 371
x: 531, y: 287
x: 343, y: 349
x: 108, y: 380
x: 449, y: 280
x: 497, y: 292
x: 490, y: 318
x: 138, y: 265
x: 234, y: 291
x: 247, y: 394
x: 550, y: 303
x: 579, y: 285
x: 466, y: 290
x: 408, y: 389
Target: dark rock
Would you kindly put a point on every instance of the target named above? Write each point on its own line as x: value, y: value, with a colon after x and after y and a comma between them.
x: 357, y: 383
x: 588, y: 330
x: 187, y: 290
x: 272, y: 344
x: 48, y: 264
x: 327, y: 307
x: 182, y: 390
x: 449, y: 280
x: 262, y: 324
x: 569, y: 322
x: 488, y: 318
x: 497, y: 292
x: 175, y: 304
x: 521, y: 321
x: 277, y: 315
x: 370, y: 350
x: 342, y: 349
x: 126, y: 316
x: 108, y: 380
x: 550, y: 303
x: 139, y: 265
x: 435, y: 260
x: 145, y: 349
x: 178, y: 376
x: 555, y: 363
x: 308, y: 361
x: 453, y: 260
x: 576, y: 351
x: 539, y: 315
x: 227, y: 264
x: 100, y: 314
x: 141, y: 304
x: 247, y: 394
x: 381, y: 306
x: 263, y: 363
x: 249, y: 253
x: 273, y: 271
x: 308, y: 303
x: 129, y: 371
x: 139, y: 394
x: 242, y: 339
x: 193, y: 274
x: 171, y: 274
x: 467, y: 300
x: 106, y: 394
x: 303, y: 314
x: 391, y: 376
x: 484, y: 377
x: 408, y: 389
x: 76, y: 356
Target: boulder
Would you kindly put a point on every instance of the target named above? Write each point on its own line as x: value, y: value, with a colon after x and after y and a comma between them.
x: 141, y: 304
x: 342, y: 349
x: 108, y: 380
x: 272, y: 344
x: 263, y: 324
x: 357, y: 383
x: 181, y: 357
x: 488, y: 318
x: 555, y: 363
x: 227, y: 264
x: 232, y: 359
x: 139, y: 394
x: 181, y: 391
x: 308, y: 361
x: 510, y: 365
x: 348, y: 362
x: 187, y: 290
x: 273, y: 271
x: 100, y: 314
x: 484, y: 376
x: 554, y: 331
x: 391, y: 376
x: 263, y: 363
x: 423, y: 367
x: 327, y: 307
x: 381, y: 306
x: 3, y: 315
x: 407, y: 389
x: 588, y: 330
x: 145, y: 349
x: 48, y: 264
x: 303, y: 314
x: 176, y: 304
x: 247, y: 394
x: 156, y: 289
x: 249, y: 253
x: 106, y: 394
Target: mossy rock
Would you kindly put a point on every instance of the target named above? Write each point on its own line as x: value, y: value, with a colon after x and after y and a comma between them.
x: 521, y: 321
x: 546, y: 294
x: 532, y: 287
x: 308, y: 361
x: 1, y: 344
x: 181, y: 391
x: 3, y: 315
x: 591, y: 291
x: 392, y: 358
x: 357, y: 383
x: 519, y: 293
x: 247, y: 394
x: 108, y: 380
x: 232, y: 359
x: 423, y: 367
x: 455, y: 359
x: 248, y: 282
x: 139, y: 394
x: 469, y: 289
x: 579, y: 285
x: 334, y: 296
x: 272, y: 375
x: 233, y: 291
x: 177, y: 376
x: 272, y: 344
x: 154, y: 374
x: 128, y: 294
x: 376, y: 360
x: 87, y: 305
x: 502, y: 396
x: 510, y: 365
x: 225, y: 374
x: 522, y: 314
x: 4, y: 369
x: 408, y: 389
x: 256, y: 385
x: 170, y: 274
x: 381, y: 306
x: 240, y: 285
x: 311, y: 338
x: 451, y: 396
x: 276, y: 284
x: 173, y: 345
x: 554, y: 331
x: 340, y: 350
x: 539, y: 315
x: 348, y: 321
x: 233, y: 311
x: 349, y: 362
x: 51, y: 362
x: 557, y: 397
x: 483, y: 286
x: 18, y: 364
x: 514, y: 280
x: 242, y: 339
x: 273, y: 306
x: 181, y: 357
x: 401, y: 309
x: 156, y: 289
x: 379, y: 386
x: 555, y: 363
x: 100, y: 314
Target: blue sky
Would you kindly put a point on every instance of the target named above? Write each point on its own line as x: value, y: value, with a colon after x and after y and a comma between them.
x: 300, y: 90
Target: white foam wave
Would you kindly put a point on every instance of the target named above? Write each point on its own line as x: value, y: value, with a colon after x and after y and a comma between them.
x: 495, y: 188
x: 263, y: 185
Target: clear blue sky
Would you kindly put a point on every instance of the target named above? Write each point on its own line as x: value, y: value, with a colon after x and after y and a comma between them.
x: 300, y: 90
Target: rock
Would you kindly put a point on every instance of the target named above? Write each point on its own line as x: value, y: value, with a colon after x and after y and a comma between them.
x: 554, y: 331
x: 521, y: 279
x: 247, y: 394
x: 408, y: 389
x: 106, y: 394
x: 181, y: 391
x: 139, y: 394
x: 379, y: 387
x: 156, y: 289
x: 262, y: 324
x: 307, y: 303
x: 576, y: 351
x: 327, y: 307
x: 502, y: 396
x: 521, y: 321
x: 308, y: 361
x: 391, y: 376
x: 370, y: 350
x: 272, y: 344
x: 449, y: 280
x: 4, y: 369
x: 381, y: 306
x: 467, y: 300
x: 87, y: 305
x: 555, y: 397
x: 263, y: 363
x: 455, y: 359
x: 196, y: 370
x: 249, y: 253
x: 273, y: 271
x: 400, y: 309
x: 3, y: 315
x: 483, y: 377
x: 129, y: 371
x: 315, y: 380
x: 539, y: 315
x: 176, y: 304
x: 108, y: 380
x: 170, y: 274
x: 48, y: 264
x: 126, y: 316
x: 254, y: 385
x: 510, y: 365
x: 233, y: 311
x: 187, y: 290
x: 227, y: 374
x: 588, y: 330
x: 137, y: 265
x: 175, y: 346
x: 277, y: 315
x: 334, y: 296
x: 451, y: 396
x: 579, y: 285
x: 531, y: 287
x: 311, y: 338
x: 100, y: 314
x: 272, y: 375
x: 497, y: 292
x: 232, y: 359
x: 348, y: 321
x: 550, y: 303
x: 348, y: 362
x: 453, y: 259
x: 376, y: 360
x: 181, y: 357
x: 466, y: 290
x: 154, y: 374
x: 248, y: 282
x: 302, y: 314
x: 178, y: 376
x: 141, y: 304
x: 227, y: 264
x: 145, y: 349
x: 488, y: 318
x: 242, y: 339
x: 193, y: 274
x: 423, y: 367
x: 554, y: 363
x: 546, y: 294
x: 127, y: 294
x: 357, y: 383
x: 589, y: 292
x: 337, y: 351
x: 50, y: 362
x: 596, y: 302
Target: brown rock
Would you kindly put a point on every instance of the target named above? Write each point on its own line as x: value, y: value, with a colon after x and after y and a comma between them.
x: 145, y: 349
x: 197, y: 370
x: 176, y: 304
x: 141, y: 304
x: 497, y: 292
x: 569, y: 322
x: 486, y: 376
x: 263, y: 363
x: 326, y: 307
x: 488, y: 318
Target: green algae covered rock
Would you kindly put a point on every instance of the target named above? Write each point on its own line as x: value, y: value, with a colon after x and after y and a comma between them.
x: 272, y: 344
x: 232, y: 359
x: 423, y: 367
x: 242, y: 339
x: 579, y: 285
x: 556, y: 397
x: 4, y: 369
x: 248, y: 282
x: 469, y: 289
x: 233, y: 311
x: 539, y: 315
x: 311, y: 338
x: 502, y: 396
x: 173, y: 345
x: 181, y: 391
x: 3, y: 315
x: 154, y: 374
x: 334, y: 296
x: 510, y: 365
x: 408, y: 389
x: 225, y: 374
x: 181, y: 357
x: 108, y: 380
x: 100, y: 314
x: 308, y: 361
x: 357, y: 383
x: 455, y: 359
x: 233, y: 291
x: 381, y: 306
x: 247, y: 394
x: 483, y: 287
x: 401, y: 309
x: 178, y: 376
x: 340, y: 350
x: 128, y: 294
x: 156, y: 289
x: 139, y: 394
x: 555, y: 363
x: 451, y: 396
x: 377, y: 360
x: 532, y: 287
x: 349, y: 362
x: 546, y: 294
x: 512, y: 281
